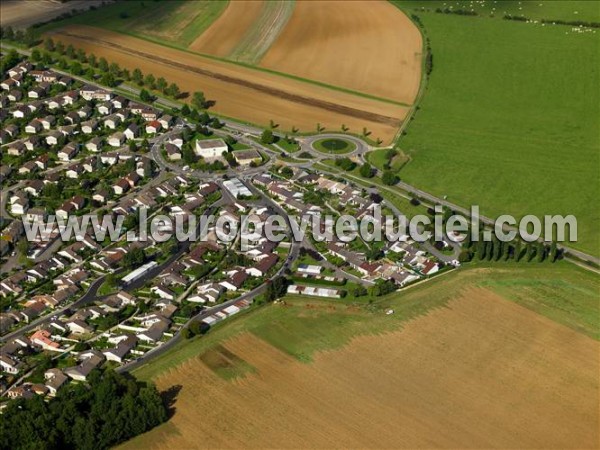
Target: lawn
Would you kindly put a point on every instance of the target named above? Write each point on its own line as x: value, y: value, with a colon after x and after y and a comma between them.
x: 334, y: 146
x: 303, y: 326
x: 378, y: 158
x: 178, y: 22
x: 512, y: 127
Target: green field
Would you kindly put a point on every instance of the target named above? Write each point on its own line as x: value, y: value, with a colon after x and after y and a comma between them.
x: 178, y: 22
x: 584, y: 10
x: 334, y: 146
x: 378, y: 158
x: 562, y: 292
x: 509, y: 120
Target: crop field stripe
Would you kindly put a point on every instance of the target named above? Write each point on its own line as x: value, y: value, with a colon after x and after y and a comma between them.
x: 273, y: 19
x: 322, y: 104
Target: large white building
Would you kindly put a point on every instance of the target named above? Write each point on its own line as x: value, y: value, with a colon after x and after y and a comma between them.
x: 211, y: 148
x: 237, y: 188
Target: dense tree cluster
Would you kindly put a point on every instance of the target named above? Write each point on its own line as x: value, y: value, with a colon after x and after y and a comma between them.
x: 345, y: 163
x: 110, y: 410
x: 277, y: 288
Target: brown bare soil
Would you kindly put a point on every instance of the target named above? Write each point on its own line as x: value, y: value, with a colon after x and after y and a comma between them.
x: 242, y: 92
x: 227, y: 31
x: 366, y: 46
x: 480, y: 373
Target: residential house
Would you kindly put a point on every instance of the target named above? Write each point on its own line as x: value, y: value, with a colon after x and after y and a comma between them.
x: 95, y: 144
x: 89, y: 126
x: 235, y: 280
x: 116, y: 139
x: 132, y: 131
x: 34, y: 127
x: 54, y: 380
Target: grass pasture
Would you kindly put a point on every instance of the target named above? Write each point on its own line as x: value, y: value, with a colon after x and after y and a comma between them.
x: 513, y: 128
x: 309, y: 361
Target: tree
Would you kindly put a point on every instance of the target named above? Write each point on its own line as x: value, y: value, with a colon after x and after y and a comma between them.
x: 345, y: 128
x: 114, y: 69
x: 518, y: 251
x: 345, y: 163
x: 185, y: 333
x: 365, y: 132
x: 36, y: 55
x: 92, y: 60
x: 359, y: 291
x: 276, y: 289
x: 267, y: 137
x: 389, y: 178
x: 149, y: 81
x: 161, y: 84
x: 81, y: 55
x: 481, y: 248
x: 530, y: 251
x: 204, y: 118
x: 60, y: 48
x: 8, y: 33
x: 132, y: 146
x: 70, y: 52
x: 173, y: 91
x: 145, y: 96
x: 198, y: 100
x: 320, y: 128
x: 188, y: 155
x: 185, y: 110
x: 287, y: 172
x: 49, y: 44
x: 108, y: 79
x: 103, y: 64
x: 76, y: 68
x: 137, y: 77
x: 366, y: 170
x: 553, y: 255
x: 465, y: 256
x: 541, y: 252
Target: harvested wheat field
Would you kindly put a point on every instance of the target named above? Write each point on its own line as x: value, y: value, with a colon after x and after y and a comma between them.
x: 245, y: 31
x: 365, y: 46
x: 241, y: 92
x: 481, y: 372
x: 228, y: 30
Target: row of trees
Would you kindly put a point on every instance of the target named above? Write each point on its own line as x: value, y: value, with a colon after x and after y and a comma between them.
x: 27, y: 37
x: 110, y: 409
x: 111, y: 72
x: 517, y: 250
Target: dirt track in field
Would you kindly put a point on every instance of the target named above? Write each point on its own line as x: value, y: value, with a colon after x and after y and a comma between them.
x: 367, y: 46
x: 242, y: 92
x: 481, y: 373
x: 227, y: 31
